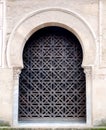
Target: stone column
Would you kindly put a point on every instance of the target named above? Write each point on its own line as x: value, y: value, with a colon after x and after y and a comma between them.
x: 16, y: 73
x: 88, y: 73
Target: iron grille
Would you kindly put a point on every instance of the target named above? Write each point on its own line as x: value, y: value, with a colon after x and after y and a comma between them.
x: 52, y: 82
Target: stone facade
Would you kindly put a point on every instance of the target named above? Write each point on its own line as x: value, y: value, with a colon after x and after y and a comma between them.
x: 85, y: 18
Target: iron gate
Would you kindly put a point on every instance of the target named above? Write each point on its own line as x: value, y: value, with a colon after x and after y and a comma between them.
x: 52, y: 82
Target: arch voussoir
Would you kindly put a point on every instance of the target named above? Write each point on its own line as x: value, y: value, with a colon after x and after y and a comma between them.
x: 55, y: 17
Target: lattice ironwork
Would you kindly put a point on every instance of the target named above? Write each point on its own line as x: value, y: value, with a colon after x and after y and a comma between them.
x: 52, y: 83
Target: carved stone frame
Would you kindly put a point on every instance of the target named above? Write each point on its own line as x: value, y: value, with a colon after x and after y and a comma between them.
x: 31, y: 24
x: 88, y: 73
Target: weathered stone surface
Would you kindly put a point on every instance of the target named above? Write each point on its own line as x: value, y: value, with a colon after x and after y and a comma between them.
x: 85, y: 18
x: 103, y: 33
x: 1, y: 30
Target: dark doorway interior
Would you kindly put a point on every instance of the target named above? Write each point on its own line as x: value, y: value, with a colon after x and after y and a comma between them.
x: 52, y: 84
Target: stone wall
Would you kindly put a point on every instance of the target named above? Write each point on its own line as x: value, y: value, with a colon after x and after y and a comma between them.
x: 2, y: 8
x: 93, y: 12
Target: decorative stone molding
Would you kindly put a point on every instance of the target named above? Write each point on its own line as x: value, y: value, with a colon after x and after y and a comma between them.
x: 88, y: 71
x: 16, y: 72
x: 55, y: 17
x: 1, y: 29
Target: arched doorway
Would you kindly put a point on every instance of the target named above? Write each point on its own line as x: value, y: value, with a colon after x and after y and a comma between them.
x: 52, y: 83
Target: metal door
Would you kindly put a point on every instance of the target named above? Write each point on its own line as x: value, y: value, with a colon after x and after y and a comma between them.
x: 52, y: 83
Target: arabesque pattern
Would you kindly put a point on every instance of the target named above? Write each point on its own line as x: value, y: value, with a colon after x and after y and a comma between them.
x: 52, y: 82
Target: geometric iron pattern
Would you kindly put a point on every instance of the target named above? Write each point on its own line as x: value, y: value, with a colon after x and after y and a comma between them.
x: 52, y: 83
